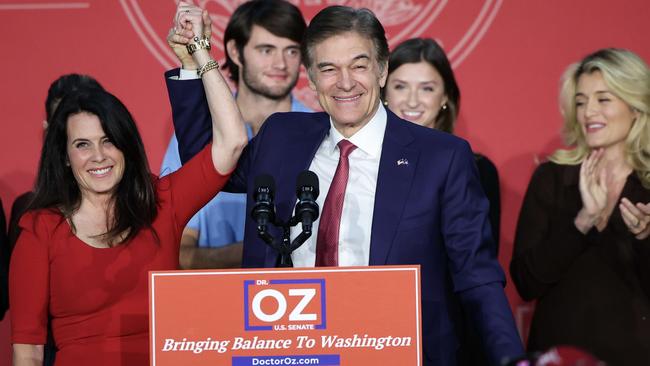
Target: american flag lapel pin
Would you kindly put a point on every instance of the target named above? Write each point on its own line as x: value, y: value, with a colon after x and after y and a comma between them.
x: 402, y: 161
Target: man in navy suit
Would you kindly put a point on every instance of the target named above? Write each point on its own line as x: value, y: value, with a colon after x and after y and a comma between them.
x: 413, y: 194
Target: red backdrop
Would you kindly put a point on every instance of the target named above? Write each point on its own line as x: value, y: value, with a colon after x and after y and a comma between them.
x: 508, y: 56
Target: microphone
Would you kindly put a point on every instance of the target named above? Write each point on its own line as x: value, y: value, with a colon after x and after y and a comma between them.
x: 307, y: 192
x: 264, y: 210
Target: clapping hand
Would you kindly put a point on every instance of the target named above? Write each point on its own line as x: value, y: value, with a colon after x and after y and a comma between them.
x: 593, y: 191
x: 636, y: 217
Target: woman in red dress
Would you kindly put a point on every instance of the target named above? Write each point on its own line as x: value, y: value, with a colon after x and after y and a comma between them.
x: 99, y: 221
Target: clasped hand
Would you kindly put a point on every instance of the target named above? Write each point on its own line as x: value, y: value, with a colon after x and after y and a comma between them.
x: 636, y: 217
x: 594, y: 193
x: 189, y: 22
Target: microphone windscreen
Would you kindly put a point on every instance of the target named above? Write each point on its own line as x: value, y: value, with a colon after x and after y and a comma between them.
x: 265, y: 180
x: 307, y: 178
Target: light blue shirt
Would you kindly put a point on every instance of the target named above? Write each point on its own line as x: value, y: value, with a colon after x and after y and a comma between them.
x: 221, y: 221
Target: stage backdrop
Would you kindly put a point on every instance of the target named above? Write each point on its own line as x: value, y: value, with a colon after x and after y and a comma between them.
x: 508, y: 56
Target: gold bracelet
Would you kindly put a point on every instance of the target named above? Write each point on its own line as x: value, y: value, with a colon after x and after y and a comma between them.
x: 198, y: 44
x: 210, y: 65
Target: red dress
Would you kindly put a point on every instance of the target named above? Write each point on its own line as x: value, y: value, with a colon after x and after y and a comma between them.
x: 98, y: 298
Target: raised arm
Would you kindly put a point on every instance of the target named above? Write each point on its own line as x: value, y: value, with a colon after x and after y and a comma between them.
x: 228, y: 131
x: 190, y: 112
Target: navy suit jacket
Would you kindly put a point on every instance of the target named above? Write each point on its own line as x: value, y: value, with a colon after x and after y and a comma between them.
x: 430, y: 211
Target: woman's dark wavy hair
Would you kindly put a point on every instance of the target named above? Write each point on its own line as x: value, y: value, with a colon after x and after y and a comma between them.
x: 134, y: 200
x: 67, y: 84
x: 415, y: 50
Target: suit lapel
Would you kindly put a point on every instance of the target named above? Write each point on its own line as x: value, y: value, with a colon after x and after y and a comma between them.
x: 396, y: 172
x: 298, y: 153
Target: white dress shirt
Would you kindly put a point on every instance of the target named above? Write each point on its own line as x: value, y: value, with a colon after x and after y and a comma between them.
x: 359, y: 202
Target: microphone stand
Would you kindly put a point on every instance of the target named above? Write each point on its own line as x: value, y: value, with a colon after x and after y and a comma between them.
x: 284, y: 246
x: 305, y: 212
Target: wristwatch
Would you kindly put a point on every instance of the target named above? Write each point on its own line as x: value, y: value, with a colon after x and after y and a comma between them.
x: 200, y: 44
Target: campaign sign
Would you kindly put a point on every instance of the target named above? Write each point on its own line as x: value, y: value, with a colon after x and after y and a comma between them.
x: 296, y: 304
x: 310, y: 316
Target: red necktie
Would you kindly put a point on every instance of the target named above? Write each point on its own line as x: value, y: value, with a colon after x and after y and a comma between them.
x: 327, y: 245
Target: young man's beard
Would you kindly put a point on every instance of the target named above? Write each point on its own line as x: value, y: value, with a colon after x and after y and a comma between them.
x: 257, y: 87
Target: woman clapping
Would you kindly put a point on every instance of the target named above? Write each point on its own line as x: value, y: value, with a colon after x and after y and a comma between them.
x: 582, y: 247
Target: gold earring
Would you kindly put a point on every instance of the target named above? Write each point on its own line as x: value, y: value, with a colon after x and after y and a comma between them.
x: 385, y: 103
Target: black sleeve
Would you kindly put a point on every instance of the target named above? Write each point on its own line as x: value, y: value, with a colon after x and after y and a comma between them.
x: 490, y: 182
x: 642, y: 263
x: 546, y: 241
x: 190, y: 113
x: 8, y: 239
x: 18, y: 208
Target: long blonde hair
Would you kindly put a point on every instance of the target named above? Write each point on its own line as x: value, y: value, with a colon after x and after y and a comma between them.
x: 628, y: 77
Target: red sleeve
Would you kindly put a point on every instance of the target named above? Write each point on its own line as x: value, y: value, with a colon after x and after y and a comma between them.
x: 29, y: 289
x: 193, y: 185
